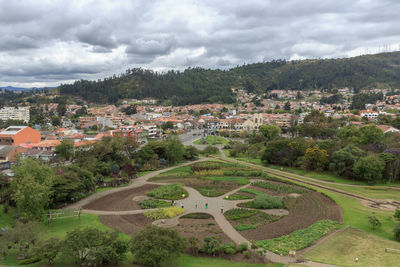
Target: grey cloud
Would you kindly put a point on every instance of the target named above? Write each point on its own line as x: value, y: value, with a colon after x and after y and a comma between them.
x: 66, y: 40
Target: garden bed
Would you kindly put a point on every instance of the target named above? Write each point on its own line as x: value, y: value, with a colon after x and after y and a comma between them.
x: 121, y: 200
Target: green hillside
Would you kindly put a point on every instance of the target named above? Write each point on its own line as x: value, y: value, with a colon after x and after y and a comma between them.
x: 197, y: 85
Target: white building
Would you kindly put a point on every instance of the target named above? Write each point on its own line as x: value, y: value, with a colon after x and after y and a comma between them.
x: 11, y: 113
x: 151, y: 129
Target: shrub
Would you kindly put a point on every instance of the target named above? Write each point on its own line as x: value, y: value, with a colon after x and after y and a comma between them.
x: 243, y: 247
x: 212, y: 246
x: 236, y: 214
x: 244, y: 227
x: 396, y: 232
x: 169, y: 191
x: 374, y: 221
x: 397, y: 214
x: 246, y: 254
x: 154, y: 203
x: 29, y: 261
x: 163, y: 213
x: 265, y: 201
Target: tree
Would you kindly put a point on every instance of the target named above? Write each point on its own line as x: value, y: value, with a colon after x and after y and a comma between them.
x: 212, y: 246
x: 193, y: 245
x: 32, y: 187
x: 23, y: 235
x: 65, y: 149
x: 270, y: 131
x: 191, y: 153
x: 374, y: 221
x: 47, y: 249
x: 55, y: 121
x: 344, y: 159
x: 93, y: 246
x: 370, y: 134
x: 287, y: 106
x: 397, y: 214
x: 316, y: 158
x: 155, y: 245
x: 174, y: 149
x: 129, y: 110
x: 167, y: 125
x: 369, y: 168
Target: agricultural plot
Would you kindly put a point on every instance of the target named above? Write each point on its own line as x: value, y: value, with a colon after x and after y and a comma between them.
x: 248, y: 219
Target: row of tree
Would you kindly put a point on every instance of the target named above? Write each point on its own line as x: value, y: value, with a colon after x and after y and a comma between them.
x: 197, y: 85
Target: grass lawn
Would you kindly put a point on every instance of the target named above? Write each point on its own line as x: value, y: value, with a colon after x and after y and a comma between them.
x: 190, y: 261
x: 210, y: 141
x: 342, y: 248
x: 238, y: 180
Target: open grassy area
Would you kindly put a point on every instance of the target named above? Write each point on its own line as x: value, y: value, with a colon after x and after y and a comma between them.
x: 210, y: 141
x: 342, y: 248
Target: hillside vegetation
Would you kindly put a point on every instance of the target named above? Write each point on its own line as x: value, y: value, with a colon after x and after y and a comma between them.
x: 197, y: 85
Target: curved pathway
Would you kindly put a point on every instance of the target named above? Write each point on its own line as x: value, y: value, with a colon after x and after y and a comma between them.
x: 195, y: 202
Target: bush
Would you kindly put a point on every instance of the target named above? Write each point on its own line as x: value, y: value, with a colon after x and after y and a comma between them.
x: 154, y: 203
x: 244, y: 227
x: 29, y: 261
x: 209, y: 150
x: 236, y: 214
x: 243, y: 247
x: 163, y: 213
x: 169, y: 191
x: 265, y: 201
x: 212, y: 246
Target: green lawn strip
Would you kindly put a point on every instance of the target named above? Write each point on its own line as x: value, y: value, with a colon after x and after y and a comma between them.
x: 238, y: 196
x: 210, y: 191
x: 169, y: 191
x: 190, y: 261
x: 197, y: 215
x: 342, y: 248
x: 6, y: 219
x: 251, y: 191
x: 299, y: 239
x: 263, y: 201
x: 244, y: 227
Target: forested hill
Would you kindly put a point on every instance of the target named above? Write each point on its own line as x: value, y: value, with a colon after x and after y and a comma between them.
x: 197, y: 85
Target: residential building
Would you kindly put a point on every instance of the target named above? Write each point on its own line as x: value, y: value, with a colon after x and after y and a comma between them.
x: 15, y: 135
x: 370, y: 114
x: 12, y: 113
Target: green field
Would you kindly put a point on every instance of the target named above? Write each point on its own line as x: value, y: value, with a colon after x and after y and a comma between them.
x: 210, y: 141
x: 343, y: 247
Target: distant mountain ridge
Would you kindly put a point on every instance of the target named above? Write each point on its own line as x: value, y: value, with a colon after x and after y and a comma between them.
x: 198, y: 85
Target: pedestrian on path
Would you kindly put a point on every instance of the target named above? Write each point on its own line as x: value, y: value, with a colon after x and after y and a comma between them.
x: 182, y: 205
x: 195, y: 205
x: 206, y: 205
x: 222, y: 209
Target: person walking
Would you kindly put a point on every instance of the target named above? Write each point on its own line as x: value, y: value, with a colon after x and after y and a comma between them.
x: 206, y: 205
x: 182, y: 205
x: 222, y: 209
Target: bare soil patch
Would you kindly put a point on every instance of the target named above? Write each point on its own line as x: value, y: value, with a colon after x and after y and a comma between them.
x: 390, y: 205
x: 201, y: 228
x: 128, y: 224
x: 303, y: 212
x: 122, y: 200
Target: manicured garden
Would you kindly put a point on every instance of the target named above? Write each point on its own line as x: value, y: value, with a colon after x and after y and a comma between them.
x: 169, y: 191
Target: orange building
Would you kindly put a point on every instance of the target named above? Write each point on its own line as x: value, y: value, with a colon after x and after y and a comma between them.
x: 15, y: 135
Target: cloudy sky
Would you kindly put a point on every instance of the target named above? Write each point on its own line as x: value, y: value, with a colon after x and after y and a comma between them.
x: 48, y: 42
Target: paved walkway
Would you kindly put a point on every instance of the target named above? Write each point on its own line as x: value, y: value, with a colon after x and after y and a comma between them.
x: 195, y: 202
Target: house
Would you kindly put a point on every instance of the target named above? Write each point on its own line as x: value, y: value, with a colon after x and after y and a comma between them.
x: 7, y: 155
x: 15, y: 135
x: 388, y: 129
x: 252, y: 124
x: 370, y: 114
